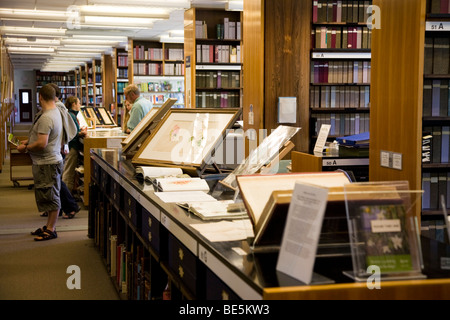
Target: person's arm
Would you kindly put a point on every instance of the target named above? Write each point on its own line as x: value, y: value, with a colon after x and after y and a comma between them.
x: 39, y: 144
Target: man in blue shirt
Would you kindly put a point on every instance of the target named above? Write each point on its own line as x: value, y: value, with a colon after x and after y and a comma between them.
x: 140, y: 108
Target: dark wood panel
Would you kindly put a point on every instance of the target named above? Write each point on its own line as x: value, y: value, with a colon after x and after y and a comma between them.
x: 287, y: 51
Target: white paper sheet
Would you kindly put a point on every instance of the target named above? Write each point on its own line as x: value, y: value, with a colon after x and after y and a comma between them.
x: 184, y: 196
x: 302, y: 231
x: 225, y: 230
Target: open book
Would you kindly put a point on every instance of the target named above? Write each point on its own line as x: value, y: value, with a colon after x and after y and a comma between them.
x: 267, y: 199
x: 215, y: 210
x: 182, y: 184
x: 150, y: 173
x: 12, y: 139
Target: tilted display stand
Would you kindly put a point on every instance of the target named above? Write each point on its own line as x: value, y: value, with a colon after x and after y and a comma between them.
x: 145, y: 127
x: 383, y: 230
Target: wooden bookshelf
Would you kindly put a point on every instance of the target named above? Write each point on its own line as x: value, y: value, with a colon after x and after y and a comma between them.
x: 340, y: 68
x: 158, y: 70
x: 436, y: 110
x: 121, y: 72
x: 213, y: 54
x: 66, y: 81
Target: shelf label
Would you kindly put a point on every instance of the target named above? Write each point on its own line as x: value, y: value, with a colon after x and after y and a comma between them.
x: 341, y: 55
x: 437, y: 26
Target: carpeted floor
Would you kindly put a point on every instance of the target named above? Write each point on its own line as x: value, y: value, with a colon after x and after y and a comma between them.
x: 31, y: 270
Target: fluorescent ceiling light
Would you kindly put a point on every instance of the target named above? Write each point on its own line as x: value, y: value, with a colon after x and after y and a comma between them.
x: 32, y: 31
x: 27, y: 42
x: 24, y: 14
x: 176, y: 33
x: 118, y: 21
x: 166, y: 38
x: 99, y: 37
x: 84, y: 46
x: 234, y: 5
x: 72, y: 41
x: 31, y: 49
x: 175, y: 4
x: 125, y: 11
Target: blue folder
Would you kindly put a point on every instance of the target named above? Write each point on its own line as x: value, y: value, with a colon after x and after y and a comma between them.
x: 356, y: 140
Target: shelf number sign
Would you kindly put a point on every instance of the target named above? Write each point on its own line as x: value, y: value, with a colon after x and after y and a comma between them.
x: 437, y: 26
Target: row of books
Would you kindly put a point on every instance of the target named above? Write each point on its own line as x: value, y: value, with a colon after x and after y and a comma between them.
x: 339, y: 97
x: 217, y: 79
x: 342, y: 124
x: 68, y: 91
x: 217, y: 99
x: 122, y: 73
x: 54, y: 77
x: 173, y: 69
x: 436, y: 147
x: 324, y: 71
x: 434, y: 229
x: 122, y: 59
x: 230, y: 30
x: 121, y: 86
x: 160, y: 98
x: 437, y: 52
x: 435, y: 184
x: 218, y: 53
x: 147, y: 69
x: 440, y: 6
x: 160, y: 86
x: 324, y: 37
x: 58, y: 83
x: 142, y: 53
x: 340, y: 11
x: 436, y: 102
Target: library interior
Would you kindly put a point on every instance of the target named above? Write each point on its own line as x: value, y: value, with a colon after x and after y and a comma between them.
x: 203, y: 128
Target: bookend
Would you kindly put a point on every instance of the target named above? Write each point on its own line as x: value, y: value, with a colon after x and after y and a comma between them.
x: 383, y: 230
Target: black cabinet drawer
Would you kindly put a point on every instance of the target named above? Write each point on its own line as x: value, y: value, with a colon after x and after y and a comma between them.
x: 183, y: 263
x: 150, y: 229
x: 130, y: 207
x: 216, y: 289
x: 116, y: 193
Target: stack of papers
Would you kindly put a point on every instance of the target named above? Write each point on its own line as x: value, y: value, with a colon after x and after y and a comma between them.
x: 214, y: 210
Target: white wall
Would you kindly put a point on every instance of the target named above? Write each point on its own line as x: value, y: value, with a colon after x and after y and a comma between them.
x: 24, y: 79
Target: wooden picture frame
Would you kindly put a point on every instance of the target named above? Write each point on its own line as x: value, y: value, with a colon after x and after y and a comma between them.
x: 106, y: 118
x: 146, y: 126
x: 186, y: 138
x: 82, y: 119
x: 90, y: 113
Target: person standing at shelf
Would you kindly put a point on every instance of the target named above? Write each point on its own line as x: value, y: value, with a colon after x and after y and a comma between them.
x: 140, y: 106
x: 44, y: 146
x: 126, y: 116
x: 75, y: 145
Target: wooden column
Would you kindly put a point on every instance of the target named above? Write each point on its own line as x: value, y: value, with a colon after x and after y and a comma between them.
x: 108, y: 80
x: 276, y: 62
x: 397, y: 90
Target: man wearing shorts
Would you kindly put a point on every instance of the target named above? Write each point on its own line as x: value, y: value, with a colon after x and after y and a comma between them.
x: 44, y: 145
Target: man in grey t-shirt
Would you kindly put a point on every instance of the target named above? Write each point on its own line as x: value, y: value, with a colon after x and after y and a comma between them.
x: 44, y: 146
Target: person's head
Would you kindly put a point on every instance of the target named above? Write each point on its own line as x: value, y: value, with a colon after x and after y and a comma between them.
x: 131, y: 93
x: 127, y: 105
x: 73, y: 103
x: 47, y: 94
x: 57, y: 91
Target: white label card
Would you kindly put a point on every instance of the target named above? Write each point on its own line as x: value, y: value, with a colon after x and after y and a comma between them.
x: 302, y: 231
x: 322, y: 138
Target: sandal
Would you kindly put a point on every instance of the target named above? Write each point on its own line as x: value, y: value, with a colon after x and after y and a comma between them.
x: 44, y: 214
x: 39, y: 231
x: 72, y: 214
x: 47, y: 235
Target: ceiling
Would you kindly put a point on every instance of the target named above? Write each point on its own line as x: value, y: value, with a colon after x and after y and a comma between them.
x: 58, y: 35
